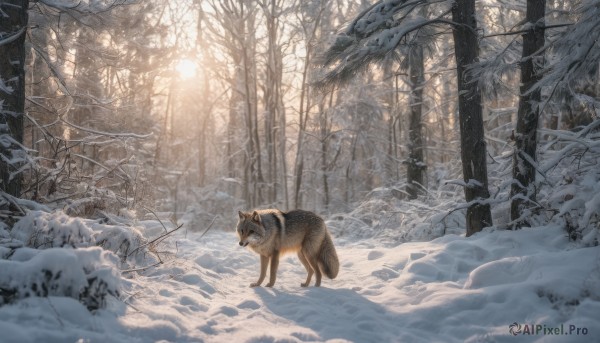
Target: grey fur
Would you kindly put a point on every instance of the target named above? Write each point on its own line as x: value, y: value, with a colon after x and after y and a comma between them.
x: 272, y: 232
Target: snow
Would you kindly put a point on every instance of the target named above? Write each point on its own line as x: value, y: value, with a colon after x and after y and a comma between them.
x: 87, y: 275
x: 56, y: 229
x: 450, y: 289
x: 5, y: 89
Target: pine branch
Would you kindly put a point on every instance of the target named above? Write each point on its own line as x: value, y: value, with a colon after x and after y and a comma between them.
x: 546, y: 27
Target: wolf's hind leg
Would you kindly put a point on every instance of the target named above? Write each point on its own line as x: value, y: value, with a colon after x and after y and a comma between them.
x: 312, y: 260
x: 306, y: 265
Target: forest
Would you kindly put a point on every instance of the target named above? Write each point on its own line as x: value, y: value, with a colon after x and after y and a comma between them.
x: 451, y: 146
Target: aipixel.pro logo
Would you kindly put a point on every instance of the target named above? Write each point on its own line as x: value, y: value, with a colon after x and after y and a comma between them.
x: 516, y: 329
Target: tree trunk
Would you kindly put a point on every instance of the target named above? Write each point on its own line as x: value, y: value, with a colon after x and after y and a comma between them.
x: 203, y: 131
x: 12, y: 102
x: 473, y: 147
x: 325, y: 132
x: 522, y: 191
x: 304, y: 110
x: 416, y: 166
x: 283, y: 160
x: 252, y: 171
x: 299, y: 165
x: 272, y: 98
x: 390, y: 159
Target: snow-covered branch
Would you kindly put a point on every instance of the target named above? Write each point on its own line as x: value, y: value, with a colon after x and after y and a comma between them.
x: 108, y: 134
x: 378, y: 32
x: 575, y: 54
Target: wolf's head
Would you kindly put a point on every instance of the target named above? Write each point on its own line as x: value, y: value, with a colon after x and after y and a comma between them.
x: 249, y: 228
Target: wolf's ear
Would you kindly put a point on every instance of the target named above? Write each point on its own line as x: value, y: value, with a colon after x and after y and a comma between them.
x: 241, y: 214
x: 255, y: 217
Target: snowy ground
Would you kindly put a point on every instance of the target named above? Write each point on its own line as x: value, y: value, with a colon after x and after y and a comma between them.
x: 451, y: 289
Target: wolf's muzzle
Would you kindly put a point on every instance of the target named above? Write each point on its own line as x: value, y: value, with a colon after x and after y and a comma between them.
x: 242, y: 244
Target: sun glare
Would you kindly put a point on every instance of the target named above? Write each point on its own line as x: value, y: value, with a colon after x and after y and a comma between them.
x: 186, y: 68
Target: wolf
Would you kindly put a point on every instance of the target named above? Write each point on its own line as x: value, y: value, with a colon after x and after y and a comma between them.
x: 271, y: 233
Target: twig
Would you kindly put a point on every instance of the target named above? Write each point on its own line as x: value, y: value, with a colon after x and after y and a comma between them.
x: 161, y: 238
x: 62, y: 325
x: 108, y: 134
x: 13, y: 201
x: 130, y: 305
x: 157, y: 218
x: 13, y: 36
x: 155, y: 240
x: 208, y: 228
x: 142, y: 268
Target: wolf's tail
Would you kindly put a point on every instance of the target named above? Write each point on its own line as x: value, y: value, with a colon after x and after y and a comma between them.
x: 330, y: 265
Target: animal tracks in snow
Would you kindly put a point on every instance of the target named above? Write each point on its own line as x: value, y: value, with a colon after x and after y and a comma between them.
x: 249, y: 304
x: 374, y: 255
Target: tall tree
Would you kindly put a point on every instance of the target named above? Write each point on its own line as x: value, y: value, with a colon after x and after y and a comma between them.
x: 416, y: 165
x: 233, y: 25
x: 388, y: 25
x: 13, y: 29
x: 310, y: 21
x: 524, y: 157
x: 472, y: 143
x: 274, y: 110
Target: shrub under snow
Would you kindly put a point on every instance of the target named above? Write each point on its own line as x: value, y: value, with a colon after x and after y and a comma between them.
x: 40, y: 229
x: 86, y: 274
x: 53, y: 254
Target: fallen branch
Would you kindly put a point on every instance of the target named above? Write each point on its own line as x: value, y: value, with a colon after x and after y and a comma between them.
x: 157, y: 218
x: 156, y: 240
x: 208, y: 228
x: 142, y: 268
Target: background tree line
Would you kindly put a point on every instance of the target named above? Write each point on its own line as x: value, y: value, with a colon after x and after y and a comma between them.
x: 309, y: 104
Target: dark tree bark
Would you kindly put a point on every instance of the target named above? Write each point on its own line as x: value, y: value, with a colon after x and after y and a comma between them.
x: 302, y: 119
x: 522, y: 192
x: 473, y: 147
x: 13, y: 23
x: 416, y: 166
x: 248, y: 46
x: 323, y: 123
x: 325, y: 126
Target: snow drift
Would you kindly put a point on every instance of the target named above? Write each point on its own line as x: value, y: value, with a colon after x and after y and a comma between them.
x: 450, y: 289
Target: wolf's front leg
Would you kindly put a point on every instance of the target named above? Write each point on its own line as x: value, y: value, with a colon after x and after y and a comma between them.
x: 263, y: 271
x: 274, y: 265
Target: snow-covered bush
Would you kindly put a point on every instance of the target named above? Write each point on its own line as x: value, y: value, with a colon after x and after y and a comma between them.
x: 571, y: 186
x: 86, y: 274
x: 121, y: 240
x: 40, y: 229
x: 385, y: 214
x: 52, y: 254
x: 208, y: 203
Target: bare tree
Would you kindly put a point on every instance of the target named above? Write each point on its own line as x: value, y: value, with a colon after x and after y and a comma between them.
x: 233, y: 26
x: 310, y: 22
x: 273, y: 101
